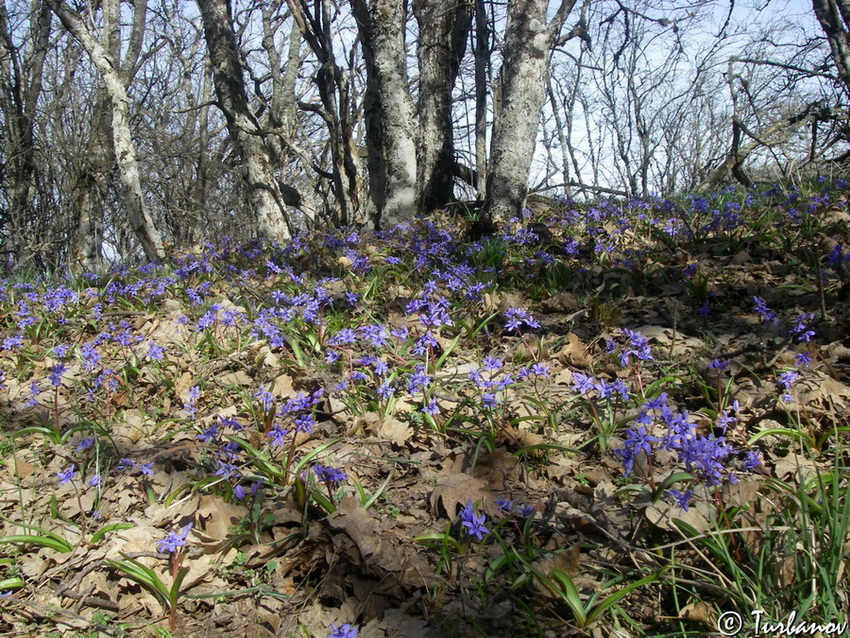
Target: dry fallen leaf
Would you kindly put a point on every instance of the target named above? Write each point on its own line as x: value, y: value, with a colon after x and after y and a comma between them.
x: 574, y: 353
x: 394, y: 431
x: 662, y: 514
x: 700, y: 612
x: 454, y: 490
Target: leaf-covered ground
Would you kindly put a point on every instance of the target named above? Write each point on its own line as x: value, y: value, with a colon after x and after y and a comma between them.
x: 619, y: 419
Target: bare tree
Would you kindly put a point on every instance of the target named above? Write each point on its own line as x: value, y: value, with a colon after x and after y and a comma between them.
x: 443, y: 30
x: 521, y: 86
x: 268, y: 197
x: 834, y: 18
x: 337, y: 109
x: 20, y: 89
x: 141, y: 222
x: 389, y: 111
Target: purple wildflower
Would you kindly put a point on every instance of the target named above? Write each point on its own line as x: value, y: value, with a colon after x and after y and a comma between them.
x: 431, y: 408
x: 67, y: 475
x: 265, y: 397
x: 767, y: 315
x: 682, y: 499
x: 582, y: 383
x: 474, y: 523
x: 56, y: 373
x: 803, y: 359
x: 343, y: 631
x: 800, y: 331
x: 753, y: 460
x: 174, y: 541
x: 637, y: 441
x: 329, y: 475
x: 518, y: 316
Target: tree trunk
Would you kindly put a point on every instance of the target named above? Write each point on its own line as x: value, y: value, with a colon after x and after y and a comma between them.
x: 521, y: 86
x: 20, y: 88
x: 264, y: 192
x: 482, y: 66
x: 336, y: 111
x: 388, y: 109
x: 91, y: 182
x: 834, y: 18
x: 125, y: 152
x: 442, y: 36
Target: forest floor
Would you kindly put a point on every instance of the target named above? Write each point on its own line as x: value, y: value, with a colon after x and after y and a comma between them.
x: 624, y: 419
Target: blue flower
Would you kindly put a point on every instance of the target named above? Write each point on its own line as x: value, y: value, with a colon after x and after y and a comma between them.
x: 753, y: 460
x: 474, y: 523
x: 56, y: 373
x: 787, y: 379
x: 67, y: 475
x: 174, y: 541
x: 718, y: 364
x: 800, y: 330
x: 329, y: 475
x: 704, y: 456
x: 516, y: 317
x: 155, y: 352
x: 803, y: 360
x: 526, y: 510
x: 637, y: 440
x: 343, y: 631
x: 431, y: 408
x: 682, y: 499
x: 767, y: 315
x: 145, y: 469
x: 582, y: 383
x: 265, y: 397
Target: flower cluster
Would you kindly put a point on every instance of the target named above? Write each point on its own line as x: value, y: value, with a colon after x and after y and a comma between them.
x: 705, y: 456
x: 472, y: 522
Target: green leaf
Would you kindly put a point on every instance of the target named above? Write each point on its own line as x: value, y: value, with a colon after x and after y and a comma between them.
x: 569, y: 593
x: 313, y: 454
x: 108, y: 528
x: 599, y: 609
x: 442, y: 358
x: 174, y: 594
x: 145, y: 576
x: 323, y: 501
x: 48, y: 540
x: 435, y: 539
x: 674, y: 478
x: 11, y: 583
x: 794, y: 434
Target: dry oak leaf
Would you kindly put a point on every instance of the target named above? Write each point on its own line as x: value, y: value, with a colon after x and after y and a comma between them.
x: 395, y: 431
x: 455, y: 489
x: 383, y: 549
x: 359, y: 524
x: 662, y: 514
x: 574, y: 352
